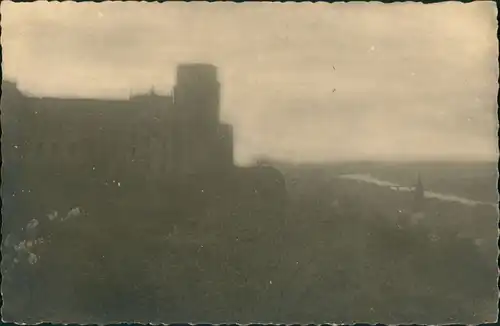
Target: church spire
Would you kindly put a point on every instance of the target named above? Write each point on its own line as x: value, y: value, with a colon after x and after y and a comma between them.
x: 419, y: 194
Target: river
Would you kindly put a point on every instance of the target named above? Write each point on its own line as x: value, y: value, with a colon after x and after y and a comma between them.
x: 367, y: 178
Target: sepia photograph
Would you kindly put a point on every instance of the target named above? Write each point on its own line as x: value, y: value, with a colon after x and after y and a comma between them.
x: 255, y: 162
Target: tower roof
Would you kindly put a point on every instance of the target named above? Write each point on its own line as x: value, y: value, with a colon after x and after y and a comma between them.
x: 196, y: 72
x: 196, y: 65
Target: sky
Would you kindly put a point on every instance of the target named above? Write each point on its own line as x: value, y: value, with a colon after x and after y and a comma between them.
x: 302, y: 82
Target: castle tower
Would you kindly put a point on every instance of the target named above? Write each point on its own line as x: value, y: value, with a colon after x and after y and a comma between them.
x: 197, y: 96
x: 203, y: 143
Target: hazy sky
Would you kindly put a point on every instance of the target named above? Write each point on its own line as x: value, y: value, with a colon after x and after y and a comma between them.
x: 412, y: 81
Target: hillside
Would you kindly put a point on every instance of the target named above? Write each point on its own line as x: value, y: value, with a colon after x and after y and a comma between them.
x: 334, y: 250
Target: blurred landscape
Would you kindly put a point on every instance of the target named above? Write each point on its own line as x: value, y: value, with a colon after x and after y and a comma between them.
x: 335, y: 250
x: 195, y: 162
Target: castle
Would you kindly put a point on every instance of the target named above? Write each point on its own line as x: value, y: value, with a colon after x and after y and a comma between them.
x: 146, y: 139
x: 150, y: 135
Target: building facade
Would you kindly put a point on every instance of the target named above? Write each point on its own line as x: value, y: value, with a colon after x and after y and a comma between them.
x: 148, y: 136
